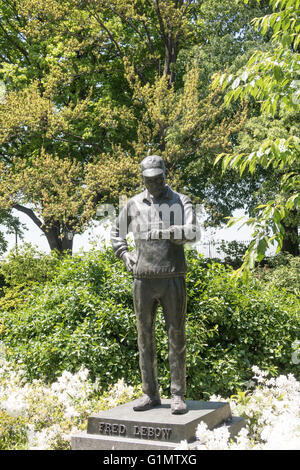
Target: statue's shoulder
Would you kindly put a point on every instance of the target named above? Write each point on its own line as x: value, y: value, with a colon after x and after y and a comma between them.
x: 137, y: 198
x: 180, y: 197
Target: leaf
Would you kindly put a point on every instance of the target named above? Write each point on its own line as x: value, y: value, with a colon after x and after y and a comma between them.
x: 236, y: 83
x: 293, y: 201
x: 216, y: 81
x: 228, y: 98
x: 226, y: 161
x: 218, y: 158
x: 236, y: 160
x: 265, y: 24
x: 278, y: 74
x: 244, y: 76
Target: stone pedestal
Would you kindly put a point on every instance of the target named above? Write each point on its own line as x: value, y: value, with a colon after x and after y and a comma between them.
x: 122, y: 428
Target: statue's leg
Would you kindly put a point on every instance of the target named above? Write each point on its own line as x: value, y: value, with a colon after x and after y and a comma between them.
x: 173, y: 302
x: 145, y: 306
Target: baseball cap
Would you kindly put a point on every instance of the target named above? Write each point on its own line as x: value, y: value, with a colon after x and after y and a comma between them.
x: 152, y: 165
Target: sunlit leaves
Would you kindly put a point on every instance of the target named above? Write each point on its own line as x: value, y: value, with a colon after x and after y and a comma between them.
x: 271, y: 79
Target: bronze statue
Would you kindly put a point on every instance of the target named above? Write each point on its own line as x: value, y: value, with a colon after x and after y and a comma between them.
x: 161, y: 220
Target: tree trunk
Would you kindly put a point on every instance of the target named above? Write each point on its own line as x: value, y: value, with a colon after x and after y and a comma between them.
x: 56, y: 242
x: 291, y: 238
x: 171, y: 52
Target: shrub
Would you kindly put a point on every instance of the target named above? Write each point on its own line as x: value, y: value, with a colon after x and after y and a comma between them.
x: 28, y: 265
x: 242, y: 324
x: 233, y: 251
x: 43, y: 416
x: 272, y: 414
x: 23, y: 268
x: 84, y: 317
x: 13, y: 432
x: 282, y: 271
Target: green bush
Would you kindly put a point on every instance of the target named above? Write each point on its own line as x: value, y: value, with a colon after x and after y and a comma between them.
x: 27, y: 265
x: 244, y: 324
x: 23, y: 268
x: 282, y: 271
x: 233, y: 251
x: 13, y: 432
x: 84, y: 316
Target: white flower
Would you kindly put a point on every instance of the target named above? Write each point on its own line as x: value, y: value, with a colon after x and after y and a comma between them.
x: 45, y: 438
x: 217, y: 439
x: 284, y: 434
x: 217, y: 398
x: 241, y: 441
x: 183, y: 445
x: 202, y: 433
x: 281, y: 147
x: 71, y: 388
x: 15, y: 405
x: 70, y: 412
x: 274, y: 407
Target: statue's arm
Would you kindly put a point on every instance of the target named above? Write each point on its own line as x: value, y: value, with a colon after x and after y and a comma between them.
x: 118, y: 233
x: 179, y: 234
x: 185, y: 233
x: 118, y: 239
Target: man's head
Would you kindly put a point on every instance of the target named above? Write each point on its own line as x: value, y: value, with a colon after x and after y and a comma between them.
x: 154, y: 174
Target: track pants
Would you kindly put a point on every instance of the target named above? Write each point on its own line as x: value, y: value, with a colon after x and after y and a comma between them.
x: 171, y: 294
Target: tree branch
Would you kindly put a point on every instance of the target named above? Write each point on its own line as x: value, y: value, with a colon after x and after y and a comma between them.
x: 151, y: 47
x: 12, y: 41
x: 96, y: 16
x: 161, y: 24
x: 30, y: 214
x: 5, y: 158
x: 131, y: 24
x: 113, y: 40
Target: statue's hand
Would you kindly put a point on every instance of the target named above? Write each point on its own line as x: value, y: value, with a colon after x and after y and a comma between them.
x: 129, y: 260
x: 159, y: 234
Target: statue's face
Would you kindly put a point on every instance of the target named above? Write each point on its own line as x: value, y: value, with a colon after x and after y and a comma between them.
x: 155, y: 184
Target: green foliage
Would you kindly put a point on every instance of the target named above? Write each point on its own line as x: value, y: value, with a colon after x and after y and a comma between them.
x: 234, y: 252
x: 29, y: 265
x: 68, y: 105
x: 11, y: 225
x: 271, y: 79
x: 44, y: 416
x: 241, y: 324
x: 284, y: 273
x: 22, y: 269
x: 84, y: 316
x: 13, y: 432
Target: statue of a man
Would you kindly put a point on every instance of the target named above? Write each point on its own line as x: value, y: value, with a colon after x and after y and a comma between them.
x: 161, y: 220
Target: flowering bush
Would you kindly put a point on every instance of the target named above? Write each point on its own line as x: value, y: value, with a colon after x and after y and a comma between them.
x: 85, y: 311
x: 39, y: 416
x: 272, y: 413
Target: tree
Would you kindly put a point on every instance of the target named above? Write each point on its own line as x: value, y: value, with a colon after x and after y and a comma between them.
x: 12, y: 226
x: 227, y: 39
x: 68, y: 104
x: 271, y: 78
x: 54, y: 122
x: 93, y: 85
x: 192, y: 136
x: 60, y: 195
